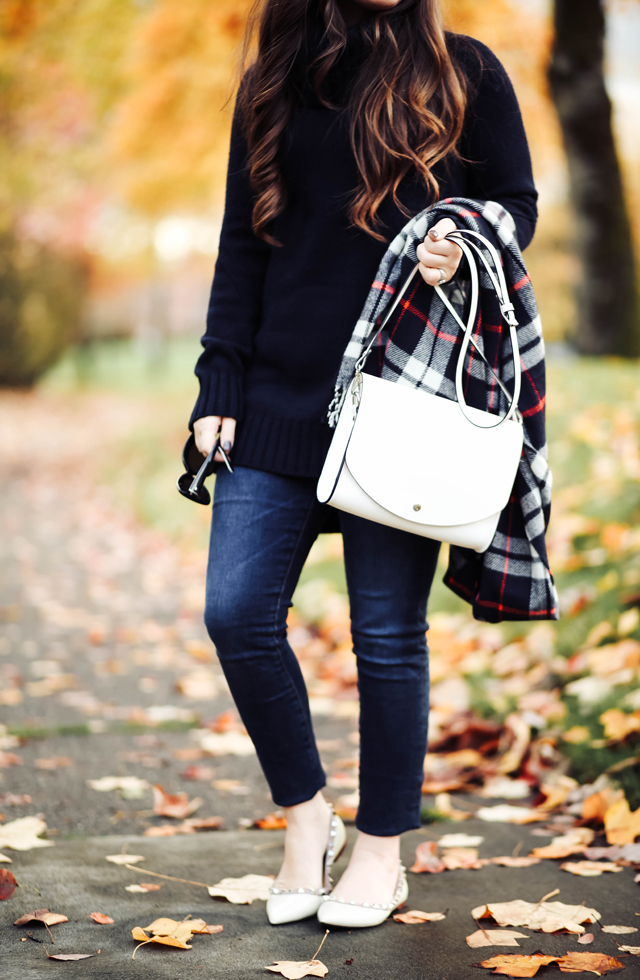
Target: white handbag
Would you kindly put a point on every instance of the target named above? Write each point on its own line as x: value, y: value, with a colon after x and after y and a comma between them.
x: 421, y: 462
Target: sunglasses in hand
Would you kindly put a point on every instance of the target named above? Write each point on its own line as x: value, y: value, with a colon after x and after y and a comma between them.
x: 198, y: 468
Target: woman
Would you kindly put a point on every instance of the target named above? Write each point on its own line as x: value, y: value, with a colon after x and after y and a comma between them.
x: 355, y: 116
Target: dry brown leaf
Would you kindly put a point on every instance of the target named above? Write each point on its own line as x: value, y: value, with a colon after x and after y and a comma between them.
x: 8, y: 884
x: 190, y: 826
x: 209, y: 930
x: 508, y: 813
x: 14, y: 799
x: 543, y: 916
x: 243, y: 891
x: 517, y: 965
x: 515, y: 862
x: 198, y: 773
x: 571, y: 843
x: 124, y: 858
x: 427, y: 858
x: 596, y: 805
x: 272, y: 821
x: 460, y: 840
x: 520, y: 734
x: 463, y: 858
x: 415, y: 917
x: 495, y: 937
x: 444, y: 805
x: 24, y: 834
x: 101, y: 918
x: 598, y: 963
x: 622, y: 826
x: 589, y: 869
x: 168, y: 932
x: 586, y: 939
x: 296, y: 970
x: 633, y: 950
x: 620, y: 930
x: 176, y: 805
x: 57, y: 762
x: 618, y: 725
x: 41, y: 915
x: 67, y: 957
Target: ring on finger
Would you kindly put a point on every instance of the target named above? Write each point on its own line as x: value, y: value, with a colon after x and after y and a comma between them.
x: 443, y: 277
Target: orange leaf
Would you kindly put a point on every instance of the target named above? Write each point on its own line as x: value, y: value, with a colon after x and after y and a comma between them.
x: 41, y: 915
x: 177, y: 805
x: 598, y: 963
x: 622, y: 826
x: 427, y: 858
x: 517, y: 964
x: 617, y: 724
x: 101, y: 918
x: 415, y: 917
x: 272, y: 821
x: 8, y: 884
x: 515, y: 862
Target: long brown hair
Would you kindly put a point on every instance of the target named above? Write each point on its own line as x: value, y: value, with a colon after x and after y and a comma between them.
x: 405, y: 111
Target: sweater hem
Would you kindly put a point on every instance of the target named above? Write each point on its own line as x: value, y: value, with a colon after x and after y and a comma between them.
x: 290, y: 447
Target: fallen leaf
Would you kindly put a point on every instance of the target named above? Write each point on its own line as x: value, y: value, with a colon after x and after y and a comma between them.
x: 586, y: 939
x: 190, y: 826
x: 9, y: 759
x: 57, y: 762
x: 494, y: 937
x: 502, y: 787
x: 273, y: 821
x: 463, y: 858
x: 506, y: 813
x: 41, y: 915
x: 210, y: 930
x: 177, y: 805
x: 520, y: 734
x: 226, y: 743
x: 124, y: 858
x: 8, y: 884
x: 296, y: 970
x: 460, y: 840
x: 130, y: 787
x: 617, y: 852
x: 235, y: 786
x: 101, y: 918
x: 14, y: 799
x: 198, y: 773
x: 634, y: 950
x: 244, y: 890
x: 141, y: 889
x: 415, y: 916
x: 619, y: 930
x: 168, y: 932
x: 598, y: 963
x: 3, y: 857
x: 24, y: 834
x: 518, y: 965
x: 515, y: 862
x: 543, y: 916
x: 621, y: 825
x: 618, y: 725
x: 596, y: 805
x: 444, y: 805
x: 571, y: 843
x: 67, y: 957
x: 588, y: 869
x: 427, y: 858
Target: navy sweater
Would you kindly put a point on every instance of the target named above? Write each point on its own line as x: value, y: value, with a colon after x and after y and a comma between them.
x: 280, y: 318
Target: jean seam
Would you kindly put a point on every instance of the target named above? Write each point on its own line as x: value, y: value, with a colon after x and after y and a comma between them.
x: 277, y: 646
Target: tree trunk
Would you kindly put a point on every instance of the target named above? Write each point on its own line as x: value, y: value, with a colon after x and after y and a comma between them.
x: 608, y: 305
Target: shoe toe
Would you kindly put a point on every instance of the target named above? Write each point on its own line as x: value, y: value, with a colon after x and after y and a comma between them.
x: 350, y: 916
x: 291, y: 908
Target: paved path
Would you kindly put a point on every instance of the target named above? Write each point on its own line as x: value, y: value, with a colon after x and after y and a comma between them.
x: 73, y: 878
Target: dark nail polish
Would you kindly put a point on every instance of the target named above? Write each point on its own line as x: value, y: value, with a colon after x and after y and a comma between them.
x: 227, y: 446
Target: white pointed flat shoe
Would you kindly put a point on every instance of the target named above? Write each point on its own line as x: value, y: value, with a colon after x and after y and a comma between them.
x: 337, y: 912
x: 293, y: 904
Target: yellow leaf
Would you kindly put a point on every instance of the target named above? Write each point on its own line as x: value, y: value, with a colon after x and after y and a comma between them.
x: 622, y: 826
x: 297, y: 969
x: 617, y: 724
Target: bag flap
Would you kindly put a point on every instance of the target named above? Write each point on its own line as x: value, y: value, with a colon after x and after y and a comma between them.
x: 420, y: 458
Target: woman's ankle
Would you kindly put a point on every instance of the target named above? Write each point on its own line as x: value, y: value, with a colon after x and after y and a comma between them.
x: 315, y: 810
x: 386, y: 849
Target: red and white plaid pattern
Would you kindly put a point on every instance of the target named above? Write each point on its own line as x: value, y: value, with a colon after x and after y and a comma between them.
x: 419, y: 347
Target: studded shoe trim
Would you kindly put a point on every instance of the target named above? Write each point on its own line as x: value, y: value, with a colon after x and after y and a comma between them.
x: 386, y: 906
x: 329, y: 858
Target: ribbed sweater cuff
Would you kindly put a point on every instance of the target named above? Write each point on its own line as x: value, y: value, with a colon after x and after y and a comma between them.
x: 220, y: 394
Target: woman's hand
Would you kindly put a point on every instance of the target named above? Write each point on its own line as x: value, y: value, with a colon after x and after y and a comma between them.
x: 206, y: 432
x: 438, y: 255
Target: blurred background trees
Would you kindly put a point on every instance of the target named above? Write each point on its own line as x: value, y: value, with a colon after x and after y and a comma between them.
x: 114, y: 122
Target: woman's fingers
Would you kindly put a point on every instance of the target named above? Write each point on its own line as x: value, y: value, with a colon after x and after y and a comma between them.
x: 227, y: 436
x: 438, y: 256
x: 205, y: 431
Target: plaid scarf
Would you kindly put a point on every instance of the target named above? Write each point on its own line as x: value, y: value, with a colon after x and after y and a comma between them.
x: 512, y: 579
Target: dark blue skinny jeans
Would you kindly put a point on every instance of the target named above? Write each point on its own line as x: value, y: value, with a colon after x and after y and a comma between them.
x: 262, y: 530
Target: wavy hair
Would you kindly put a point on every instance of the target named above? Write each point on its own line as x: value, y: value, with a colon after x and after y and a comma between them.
x: 405, y: 110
